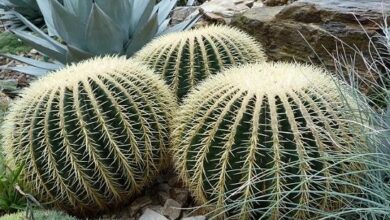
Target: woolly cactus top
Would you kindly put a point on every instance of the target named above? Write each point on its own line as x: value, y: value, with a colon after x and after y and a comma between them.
x: 272, y: 78
x: 73, y: 74
x: 187, y: 58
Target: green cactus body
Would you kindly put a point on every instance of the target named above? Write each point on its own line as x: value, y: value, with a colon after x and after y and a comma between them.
x: 261, y: 141
x: 185, y: 59
x: 90, y: 135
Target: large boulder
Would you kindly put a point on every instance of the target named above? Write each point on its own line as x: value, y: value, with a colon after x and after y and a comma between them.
x: 307, y: 30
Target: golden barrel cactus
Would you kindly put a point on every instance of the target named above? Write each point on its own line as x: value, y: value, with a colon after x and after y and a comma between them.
x: 184, y: 59
x: 91, y: 135
x: 268, y: 141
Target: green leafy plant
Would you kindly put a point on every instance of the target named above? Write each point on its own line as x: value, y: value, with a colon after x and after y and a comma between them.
x: 271, y: 141
x: 27, y: 8
x: 38, y: 215
x: 94, y: 28
x: 9, y: 43
x: 91, y: 135
x: 187, y: 58
x: 10, y: 199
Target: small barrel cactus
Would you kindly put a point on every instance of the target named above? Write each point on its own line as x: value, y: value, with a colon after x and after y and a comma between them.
x: 185, y: 59
x: 267, y: 141
x: 38, y: 215
x: 91, y: 135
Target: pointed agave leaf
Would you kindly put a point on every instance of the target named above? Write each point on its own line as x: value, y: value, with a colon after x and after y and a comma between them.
x: 142, y: 37
x: 164, y: 9
x: 190, y: 2
x: 118, y: 12
x: 41, y: 45
x: 68, y: 25
x: 76, y: 55
x: 59, y: 47
x: 103, y: 35
x: 162, y: 27
x: 81, y: 9
x: 141, y: 12
x: 32, y: 62
x: 185, y: 25
x: 44, y: 7
x: 30, y: 70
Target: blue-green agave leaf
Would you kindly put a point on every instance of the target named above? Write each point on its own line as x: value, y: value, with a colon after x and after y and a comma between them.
x: 75, y: 54
x: 41, y: 45
x: 59, y: 47
x: 190, y: 2
x: 141, y: 14
x: 118, y: 12
x: 162, y: 27
x: 81, y: 9
x: 143, y: 36
x: 68, y: 25
x: 103, y: 35
x: 185, y: 25
x: 32, y: 62
x: 164, y: 8
x: 44, y: 7
x: 31, y: 70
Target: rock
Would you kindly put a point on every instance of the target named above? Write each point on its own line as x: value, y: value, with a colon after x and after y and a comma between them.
x: 171, y: 209
x: 139, y: 203
x: 151, y: 215
x: 156, y: 208
x: 288, y: 32
x: 200, y: 217
x: 224, y: 10
x: 180, y: 195
x: 179, y: 14
x: 163, y: 197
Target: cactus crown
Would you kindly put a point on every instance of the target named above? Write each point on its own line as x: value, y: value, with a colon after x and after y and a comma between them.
x: 266, y: 137
x: 90, y: 135
x: 184, y: 59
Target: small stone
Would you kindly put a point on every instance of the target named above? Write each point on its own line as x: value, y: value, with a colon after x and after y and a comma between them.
x: 180, y: 195
x: 163, y: 197
x: 151, y: 215
x: 140, y: 203
x: 34, y: 51
x: 200, y: 217
x: 156, y: 208
x: 172, y: 209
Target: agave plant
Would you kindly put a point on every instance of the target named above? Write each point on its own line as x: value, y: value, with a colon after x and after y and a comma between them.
x: 93, y: 28
x: 27, y: 8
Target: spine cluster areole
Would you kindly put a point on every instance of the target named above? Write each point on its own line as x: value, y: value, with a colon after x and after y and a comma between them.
x: 187, y: 58
x: 268, y: 141
x: 92, y: 135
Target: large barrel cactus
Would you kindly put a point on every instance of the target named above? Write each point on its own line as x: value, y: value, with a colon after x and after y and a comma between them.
x: 92, y: 135
x: 269, y: 141
x: 184, y: 59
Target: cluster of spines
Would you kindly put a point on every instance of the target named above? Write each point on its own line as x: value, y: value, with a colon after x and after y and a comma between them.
x: 187, y: 58
x: 252, y: 148
x: 92, y: 135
